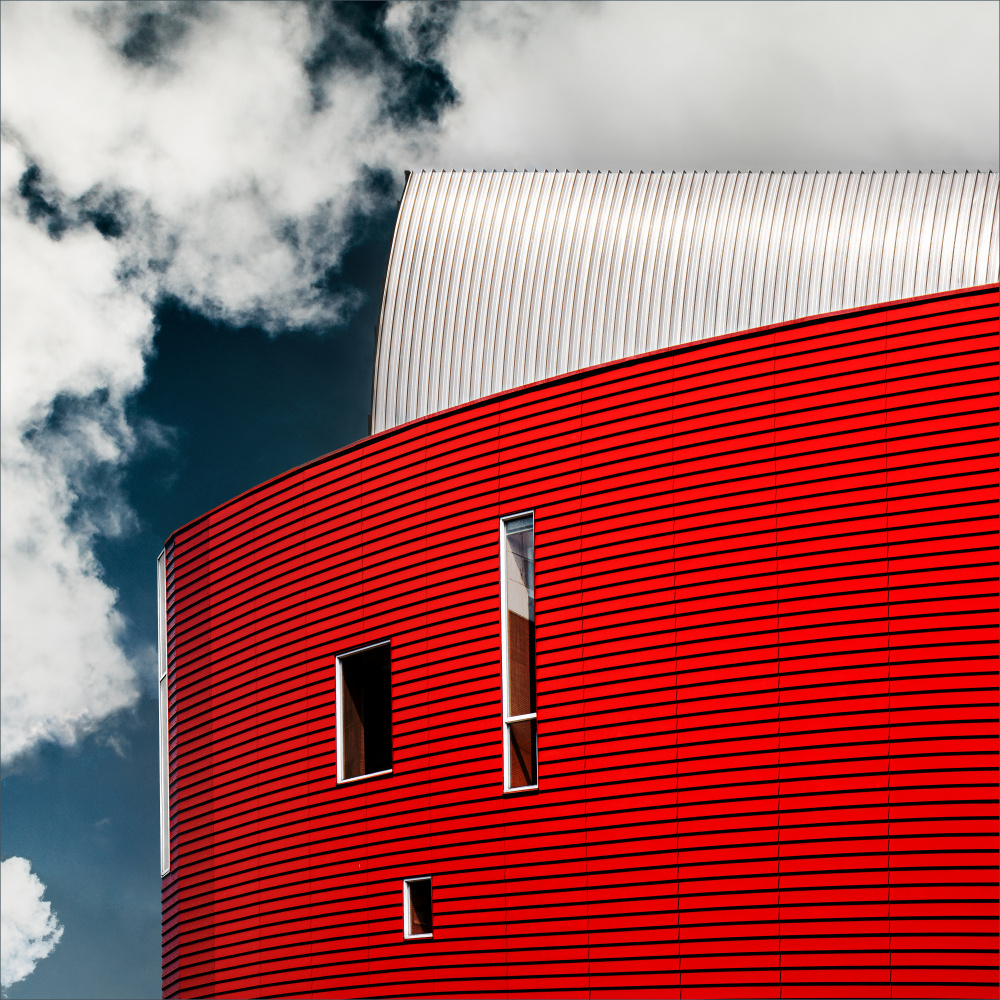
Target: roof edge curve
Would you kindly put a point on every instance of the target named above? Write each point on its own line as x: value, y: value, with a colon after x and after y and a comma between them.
x: 503, y: 278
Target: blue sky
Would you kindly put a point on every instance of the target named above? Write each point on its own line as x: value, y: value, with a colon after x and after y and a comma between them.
x: 198, y: 202
x: 87, y: 815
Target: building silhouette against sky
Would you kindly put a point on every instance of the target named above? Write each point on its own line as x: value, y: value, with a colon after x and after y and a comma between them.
x: 648, y: 645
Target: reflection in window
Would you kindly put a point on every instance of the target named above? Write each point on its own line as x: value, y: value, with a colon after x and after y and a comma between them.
x: 518, y: 651
x: 418, y: 916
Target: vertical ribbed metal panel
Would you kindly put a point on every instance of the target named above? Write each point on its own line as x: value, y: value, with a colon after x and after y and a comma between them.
x: 766, y: 606
x: 501, y: 279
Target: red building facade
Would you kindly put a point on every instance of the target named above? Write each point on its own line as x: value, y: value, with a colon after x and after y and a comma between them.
x: 765, y: 627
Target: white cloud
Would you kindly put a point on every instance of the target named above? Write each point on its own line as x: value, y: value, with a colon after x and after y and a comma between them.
x: 223, y: 148
x: 233, y: 158
x: 29, y: 929
x: 235, y: 192
x: 69, y: 328
x: 840, y: 85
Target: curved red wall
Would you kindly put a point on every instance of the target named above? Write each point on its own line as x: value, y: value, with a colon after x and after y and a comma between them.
x: 767, y: 696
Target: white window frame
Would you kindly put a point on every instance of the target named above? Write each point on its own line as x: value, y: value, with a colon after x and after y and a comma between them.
x: 408, y: 935
x: 164, y: 710
x: 506, y: 719
x: 341, y: 780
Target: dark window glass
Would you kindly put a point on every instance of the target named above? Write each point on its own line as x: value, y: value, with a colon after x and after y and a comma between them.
x: 420, y: 917
x: 365, y: 712
x: 523, y: 761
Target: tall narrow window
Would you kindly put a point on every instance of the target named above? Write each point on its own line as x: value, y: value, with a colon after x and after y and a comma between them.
x: 161, y: 650
x: 517, y: 559
x: 364, y: 713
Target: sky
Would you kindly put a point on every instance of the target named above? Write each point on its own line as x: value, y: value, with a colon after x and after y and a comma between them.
x: 197, y: 206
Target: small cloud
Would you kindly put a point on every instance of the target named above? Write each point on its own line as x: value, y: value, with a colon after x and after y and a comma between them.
x: 29, y: 929
x: 102, y: 824
x: 146, y: 659
x: 118, y: 745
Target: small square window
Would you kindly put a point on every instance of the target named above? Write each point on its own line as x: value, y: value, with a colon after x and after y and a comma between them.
x: 418, y: 918
x: 364, y: 713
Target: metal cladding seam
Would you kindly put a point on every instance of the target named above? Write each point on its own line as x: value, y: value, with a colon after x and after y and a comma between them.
x: 766, y: 599
x: 611, y: 265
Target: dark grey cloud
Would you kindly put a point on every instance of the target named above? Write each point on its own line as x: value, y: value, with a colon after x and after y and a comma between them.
x: 357, y: 37
x: 349, y: 36
x: 148, y: 32
x: 45, y: 205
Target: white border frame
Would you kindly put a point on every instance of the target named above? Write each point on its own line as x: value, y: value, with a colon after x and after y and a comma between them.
x: 163, y: 701
x: 407, y: 935
x: 341, y: 780
x: 505, y: 719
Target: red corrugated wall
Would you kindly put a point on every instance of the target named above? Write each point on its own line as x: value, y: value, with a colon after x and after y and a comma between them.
x: 767, y: 689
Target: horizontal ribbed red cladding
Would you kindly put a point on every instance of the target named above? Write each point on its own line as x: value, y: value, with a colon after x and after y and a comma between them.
x: 767, y: 704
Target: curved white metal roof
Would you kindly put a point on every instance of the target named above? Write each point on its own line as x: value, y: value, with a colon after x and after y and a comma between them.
x: 497, y: 279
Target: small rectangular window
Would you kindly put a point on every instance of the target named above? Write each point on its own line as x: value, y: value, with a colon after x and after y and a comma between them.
x: 418, y: 917
x: 520, y: 737
x: 364, y: 713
